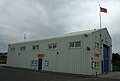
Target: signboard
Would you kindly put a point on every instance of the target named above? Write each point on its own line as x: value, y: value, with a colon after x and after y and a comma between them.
x: 40, y: 55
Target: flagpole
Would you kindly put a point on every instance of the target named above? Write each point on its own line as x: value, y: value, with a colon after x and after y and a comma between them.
x: 100, y: 49
x: 100, y: 23
x: 100, y: 16
x: 100, y: 29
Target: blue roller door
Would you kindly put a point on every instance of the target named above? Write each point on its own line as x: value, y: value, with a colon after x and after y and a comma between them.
x: 106, y: 58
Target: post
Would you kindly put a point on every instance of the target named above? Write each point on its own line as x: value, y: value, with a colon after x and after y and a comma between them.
x: 100, y: 49
x: 100, y: 16
x: 96, y: 75
x: 100, y: 28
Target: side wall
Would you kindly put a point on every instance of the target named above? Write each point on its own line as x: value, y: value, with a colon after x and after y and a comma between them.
x: 69, y: 60
x: 62, y: 59
x: 105, y: 40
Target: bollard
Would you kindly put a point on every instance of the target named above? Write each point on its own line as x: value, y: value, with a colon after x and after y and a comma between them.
x: 106, y: 72
x: 96, y: 74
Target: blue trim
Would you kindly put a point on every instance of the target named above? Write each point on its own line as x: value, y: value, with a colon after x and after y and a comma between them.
x: 105, y: 58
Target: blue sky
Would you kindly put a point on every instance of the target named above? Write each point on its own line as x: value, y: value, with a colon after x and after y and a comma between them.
x: 43, y: 18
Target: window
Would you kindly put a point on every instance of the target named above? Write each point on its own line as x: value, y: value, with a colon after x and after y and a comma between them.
x: 34, y: 62
x: 78, y: 44
x: 49, y: 46
x: 96, y: 45
x: 106, y: 40
x: 22, y: 48
x: 71, y: 44
x: 75, y: 44
x: 97, y: 64
x: 52, y: 46
x: 12, y: 49
x: 35, y: 47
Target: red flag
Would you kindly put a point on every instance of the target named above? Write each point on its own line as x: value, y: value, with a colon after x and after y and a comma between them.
x: 103, y: 10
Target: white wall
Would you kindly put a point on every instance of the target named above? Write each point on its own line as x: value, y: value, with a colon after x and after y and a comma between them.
x: 96, y: 38
x: 69, y: 60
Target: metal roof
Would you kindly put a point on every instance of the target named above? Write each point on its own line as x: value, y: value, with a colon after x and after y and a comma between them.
x: 64, y: 35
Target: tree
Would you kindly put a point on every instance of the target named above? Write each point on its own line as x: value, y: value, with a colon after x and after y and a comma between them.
x: 116, y: 61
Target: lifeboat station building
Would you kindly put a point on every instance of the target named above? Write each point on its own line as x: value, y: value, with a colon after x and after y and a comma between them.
x: 84, y: 52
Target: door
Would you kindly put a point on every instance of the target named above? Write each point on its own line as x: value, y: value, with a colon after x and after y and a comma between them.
x: 106, y: 58
x: 40, y: 65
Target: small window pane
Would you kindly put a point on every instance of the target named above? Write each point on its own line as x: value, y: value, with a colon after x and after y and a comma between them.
x: 49, y: 46
x: 36, y: 61
x: 22, y: 48
x: 97, y: 64
x: 96, y: 45
x: 33, y: 47
x: 78, y: 44
x: 32, y: 62
x: 12, y: 49
x: 37, y: 47
x: 54, y: 46
x: 71, y: 44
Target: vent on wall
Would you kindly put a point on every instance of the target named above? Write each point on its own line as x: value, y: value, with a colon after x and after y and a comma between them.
x: 88, y: 48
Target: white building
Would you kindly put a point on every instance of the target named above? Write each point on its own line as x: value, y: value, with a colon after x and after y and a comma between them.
x: 85, y: 52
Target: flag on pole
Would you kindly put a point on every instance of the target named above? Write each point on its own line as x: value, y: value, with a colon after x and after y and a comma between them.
x: 103, y: 10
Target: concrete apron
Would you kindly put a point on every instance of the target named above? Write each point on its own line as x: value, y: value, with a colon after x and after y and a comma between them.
x: 115, y: 75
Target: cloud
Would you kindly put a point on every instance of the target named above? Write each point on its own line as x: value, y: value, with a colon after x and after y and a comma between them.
x: 42, y: 18
x: 27, y: 16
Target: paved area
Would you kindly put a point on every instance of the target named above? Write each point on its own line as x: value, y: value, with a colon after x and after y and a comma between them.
x: 12, y: 74
x: 115, y: 75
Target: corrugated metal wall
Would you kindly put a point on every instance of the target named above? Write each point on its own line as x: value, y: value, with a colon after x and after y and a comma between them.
x: 69, y: 60
x: 62, y: 59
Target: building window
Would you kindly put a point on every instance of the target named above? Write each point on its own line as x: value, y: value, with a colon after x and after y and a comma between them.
x: 35, y: 47
x: 22, y: 48
x: 97, y: 64
x: 75, y: 44
x: 78, y: 44
x: 52, y: 46
x: 12, y: 49
x: 34, y: 62
x: 96, y: 45
x: 106, y: 40
x: 71, y: 44
x: 49, y: 46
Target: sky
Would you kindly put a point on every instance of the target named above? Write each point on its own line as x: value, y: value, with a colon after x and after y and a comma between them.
x: 42, y: 18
